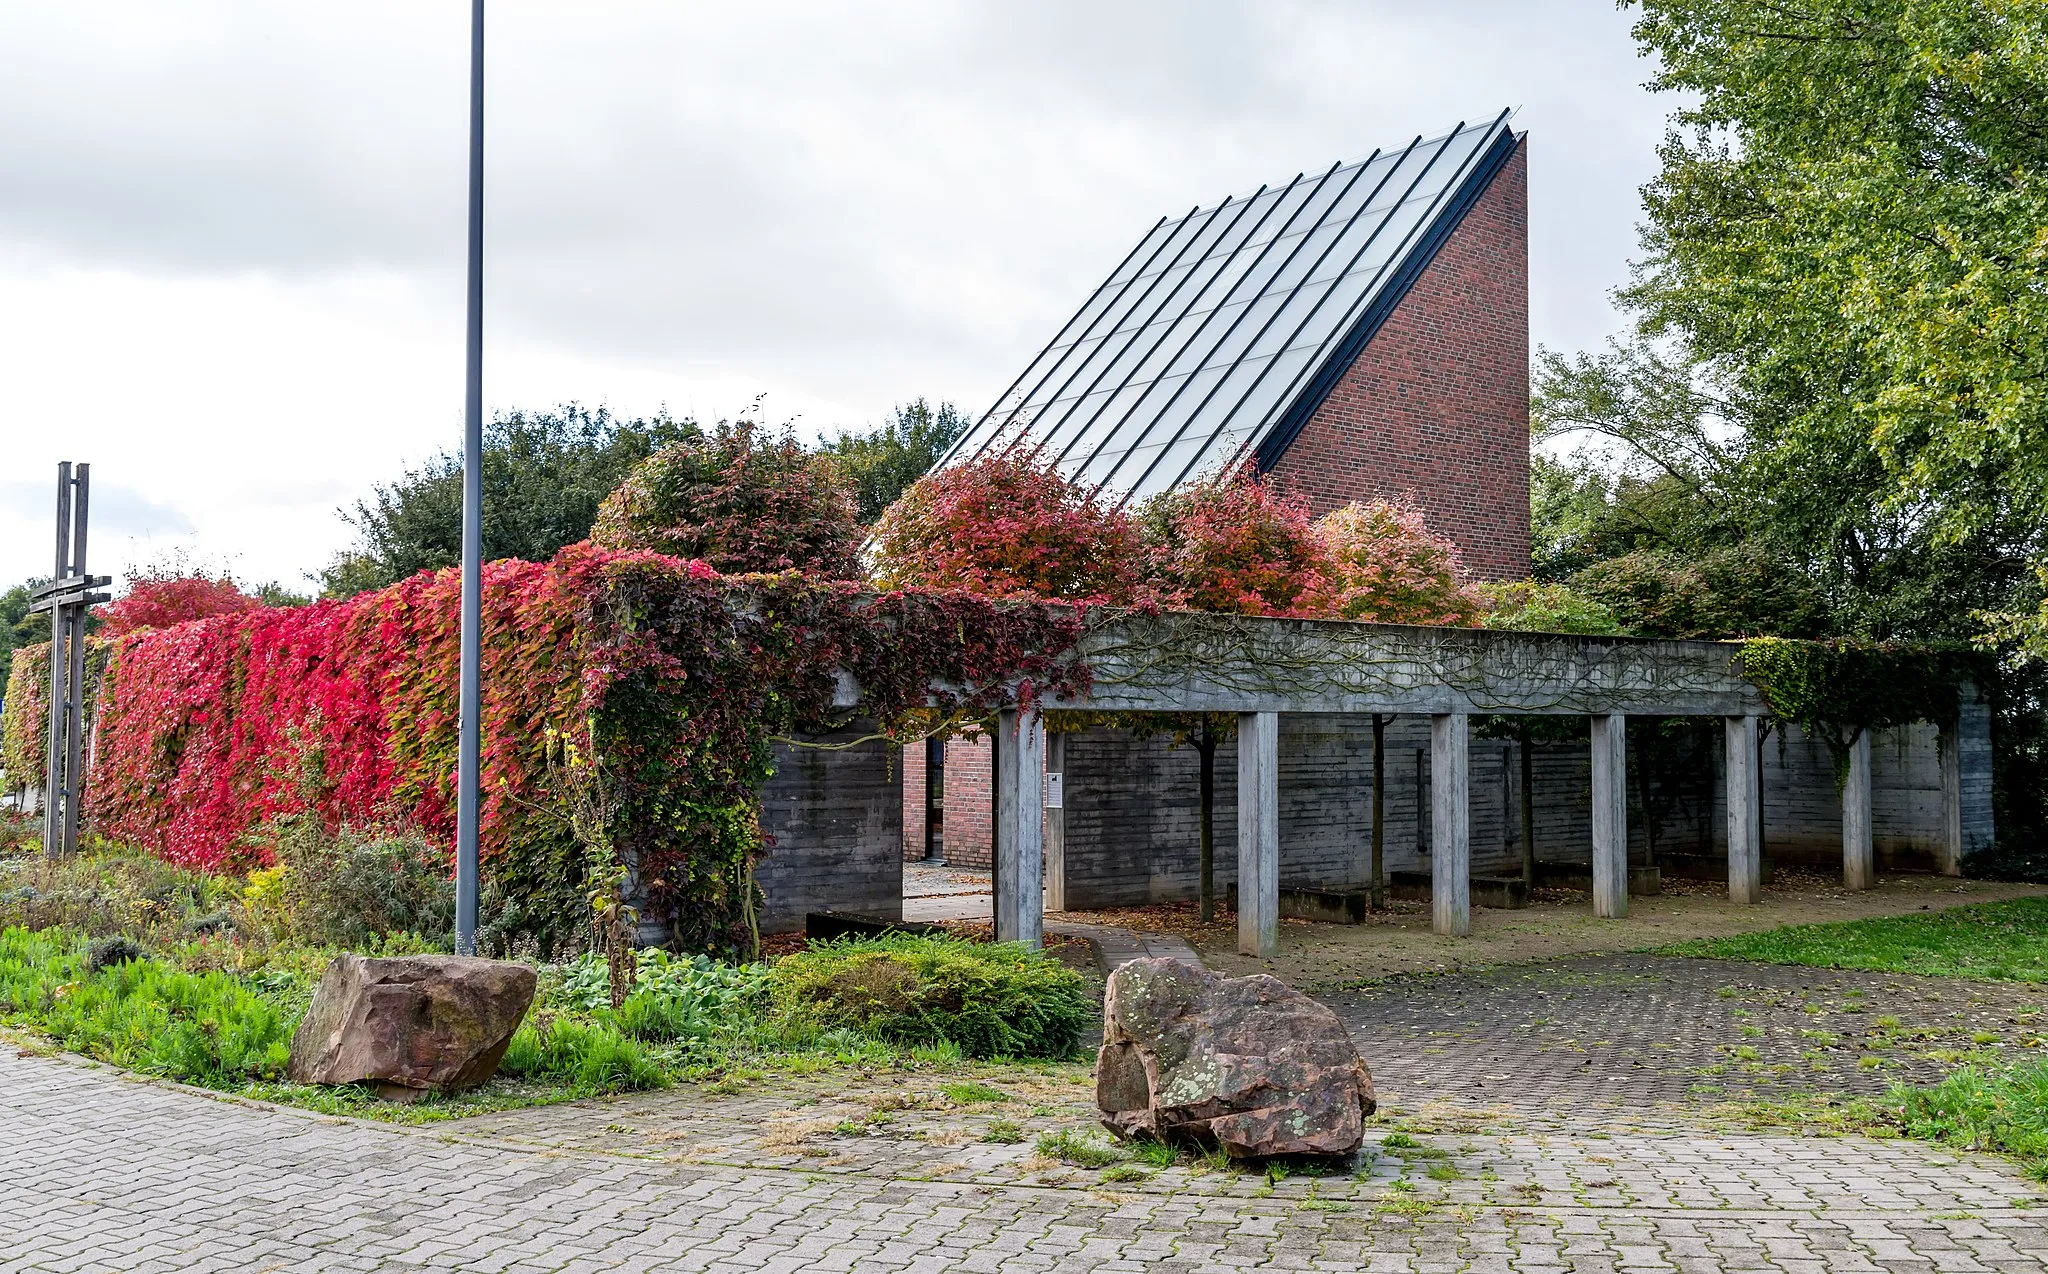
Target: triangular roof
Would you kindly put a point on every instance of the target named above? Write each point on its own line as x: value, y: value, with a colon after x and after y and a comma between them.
x: 1221, y: 332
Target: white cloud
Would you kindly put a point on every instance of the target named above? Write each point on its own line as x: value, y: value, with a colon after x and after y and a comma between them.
x: 231, y: 233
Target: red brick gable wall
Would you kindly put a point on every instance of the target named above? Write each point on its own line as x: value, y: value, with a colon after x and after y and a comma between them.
x: 1437, y: 405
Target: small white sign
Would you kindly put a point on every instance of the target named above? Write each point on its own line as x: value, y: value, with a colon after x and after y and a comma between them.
x: 1055, y: 797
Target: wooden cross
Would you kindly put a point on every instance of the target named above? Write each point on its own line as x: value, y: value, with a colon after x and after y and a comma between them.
x: 66, y: 597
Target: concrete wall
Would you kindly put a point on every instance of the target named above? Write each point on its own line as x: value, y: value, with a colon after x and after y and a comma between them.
x: 1132, y: 807
x: 835, y: 823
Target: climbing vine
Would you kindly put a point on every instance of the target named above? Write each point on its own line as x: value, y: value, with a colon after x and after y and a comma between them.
x: 24, y: 721
x: 1835, y: 688
x: 672, y: 676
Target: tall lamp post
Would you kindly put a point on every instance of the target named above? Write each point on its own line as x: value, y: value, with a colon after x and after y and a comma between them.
x: 466, y: 766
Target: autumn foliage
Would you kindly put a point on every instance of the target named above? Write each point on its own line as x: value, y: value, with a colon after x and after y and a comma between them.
x: 1384, y: 565
x: 1008, y: 525
x: 1239, y: 545
x: 161, y: 597
x: 673, y: 675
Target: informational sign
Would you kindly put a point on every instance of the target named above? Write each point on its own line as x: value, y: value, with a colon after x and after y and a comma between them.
x: 1055, y: 797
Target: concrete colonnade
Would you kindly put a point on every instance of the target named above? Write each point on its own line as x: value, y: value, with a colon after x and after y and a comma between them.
x: 1023, y: 849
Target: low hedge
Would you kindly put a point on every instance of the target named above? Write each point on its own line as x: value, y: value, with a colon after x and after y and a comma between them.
x: 989, y: 999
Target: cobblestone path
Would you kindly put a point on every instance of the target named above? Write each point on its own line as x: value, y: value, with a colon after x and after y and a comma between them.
x: 1574, y: 1160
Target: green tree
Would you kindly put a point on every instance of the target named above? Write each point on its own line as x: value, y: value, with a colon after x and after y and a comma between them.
x: 18, y: 627
x: 1851, y: 225
x: 544, y: 475
x: 739, y: 501
x: 881, y: 464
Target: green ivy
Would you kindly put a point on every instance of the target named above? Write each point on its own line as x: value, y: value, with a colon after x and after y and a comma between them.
x: 1837, y: 688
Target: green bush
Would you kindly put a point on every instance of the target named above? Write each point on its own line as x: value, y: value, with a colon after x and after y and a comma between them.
x: 591, y: 1055
x: 206, y: 1028
x: 353, y: 887
x: 107, y: 891
x: 674, y: 998
x: 990, y: 999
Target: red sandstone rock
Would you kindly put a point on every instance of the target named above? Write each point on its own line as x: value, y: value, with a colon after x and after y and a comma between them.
x: 1249, y: 1064
x: 411, y: 1023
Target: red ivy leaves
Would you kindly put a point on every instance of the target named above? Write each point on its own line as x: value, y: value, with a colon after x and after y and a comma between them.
x: 159, y: 598
x: 675, y: 674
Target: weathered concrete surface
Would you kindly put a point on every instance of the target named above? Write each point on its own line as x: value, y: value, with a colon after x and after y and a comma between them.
x: 1248, y: 1064
x: 410, y: 1023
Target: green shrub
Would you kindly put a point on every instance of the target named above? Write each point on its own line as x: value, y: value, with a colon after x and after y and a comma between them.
x: 991, y: 999
x: 589, y: 1055
x: 107, y: 891
x: 675, y: 999
x: 351, y: 888
x: 206, y: 1028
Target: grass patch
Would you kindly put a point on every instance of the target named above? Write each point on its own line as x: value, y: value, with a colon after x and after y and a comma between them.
x: 211, y: 1029
x: 971, y: 1092
x: 2000, y: 941
x: 1076, y: 1149
x: 2003, y: 1110
x: 1003, y: 1132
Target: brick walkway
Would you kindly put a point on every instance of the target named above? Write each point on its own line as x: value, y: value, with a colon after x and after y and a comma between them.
x: 1568, y: 1161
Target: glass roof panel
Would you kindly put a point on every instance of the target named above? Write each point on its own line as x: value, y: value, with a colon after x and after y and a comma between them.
x: 1204, y: 337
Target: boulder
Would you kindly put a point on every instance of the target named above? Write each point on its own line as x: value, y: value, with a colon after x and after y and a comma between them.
x: 410, y: 1023
x: 1248, y: 1064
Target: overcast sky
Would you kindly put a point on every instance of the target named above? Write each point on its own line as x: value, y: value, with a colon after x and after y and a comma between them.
x: 231, y: 234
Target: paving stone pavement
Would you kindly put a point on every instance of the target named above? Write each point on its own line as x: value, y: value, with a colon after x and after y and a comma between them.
x: 100, y: 1171
x: 1634, y: 1030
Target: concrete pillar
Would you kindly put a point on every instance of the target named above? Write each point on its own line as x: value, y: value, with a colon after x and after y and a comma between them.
x: 1258, y: 833
x: 1450, y: 825
x: 1745, y: 812
x: 1020, y: 828
x: 1859, y: 865
x: 1056, y: 822
x: 1610, y: 815
x: 1948, y: 855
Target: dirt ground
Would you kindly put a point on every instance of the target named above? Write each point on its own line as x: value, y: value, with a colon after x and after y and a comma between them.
x: 1557, y: 924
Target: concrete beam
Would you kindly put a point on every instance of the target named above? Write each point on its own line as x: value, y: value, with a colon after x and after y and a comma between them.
x: 1610, y: 816
x: 1450, y: 824
x: 1859, y: 865
x: 1745, y: 811
x: 1180, y: 662
x: 1258, y: 833
x: 1020, y: 828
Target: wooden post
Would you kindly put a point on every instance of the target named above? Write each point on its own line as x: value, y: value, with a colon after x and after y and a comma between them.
x: 1610, y: 815
x: 1450, y: 830
x: 1948, y: 856
x: 1020, y: 828
x: 1745, y: 810
x: 60, y: 665
x: 1056, y: 822
x: 1859, y: 866
x: 1258, y: 833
